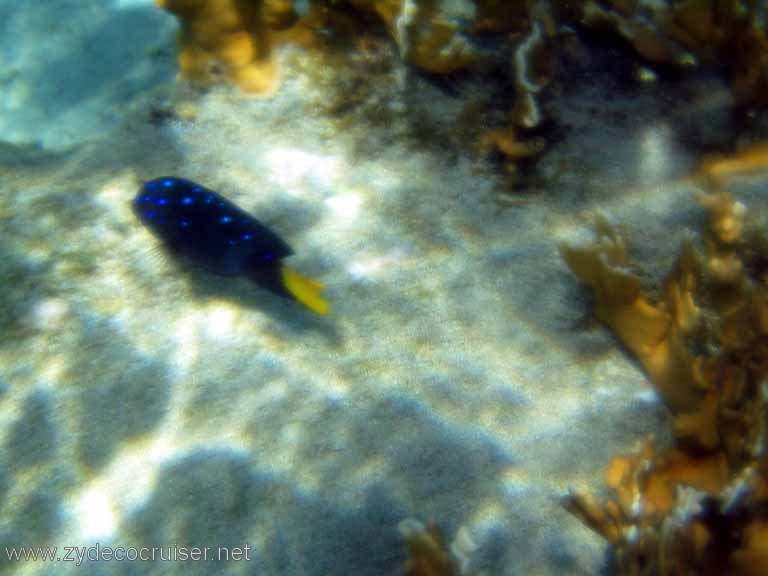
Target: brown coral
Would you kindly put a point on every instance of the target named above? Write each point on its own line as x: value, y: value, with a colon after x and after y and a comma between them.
x: 507, y: 142
x: 225, y: 33
x: 653, y: 332
x: 716, y: 171
x: 726, y: 34
x: 687, y: 510
x: 235, y: 38
x: 426, y: 37
x: 658, y: 527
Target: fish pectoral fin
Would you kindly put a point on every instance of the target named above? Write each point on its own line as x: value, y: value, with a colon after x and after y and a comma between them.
x: 304, y: 290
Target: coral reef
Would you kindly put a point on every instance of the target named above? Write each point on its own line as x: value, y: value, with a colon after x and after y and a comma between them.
x: 692, y: 508
x: 523, y: 44
x: 234, y: 40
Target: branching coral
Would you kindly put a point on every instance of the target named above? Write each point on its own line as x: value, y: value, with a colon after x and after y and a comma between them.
x: 653, y: 332
x: 658, y: 525
x: 704, y: 346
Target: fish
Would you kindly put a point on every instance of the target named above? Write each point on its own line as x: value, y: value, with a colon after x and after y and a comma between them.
x: 201, y: 226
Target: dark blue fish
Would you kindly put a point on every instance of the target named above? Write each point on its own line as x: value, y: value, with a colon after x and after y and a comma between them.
x: 199, y: 224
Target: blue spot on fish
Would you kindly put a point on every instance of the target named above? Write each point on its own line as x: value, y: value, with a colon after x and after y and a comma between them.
x: 186, y: 200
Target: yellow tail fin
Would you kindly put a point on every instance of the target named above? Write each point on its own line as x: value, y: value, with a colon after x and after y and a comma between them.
x: 304, y: 290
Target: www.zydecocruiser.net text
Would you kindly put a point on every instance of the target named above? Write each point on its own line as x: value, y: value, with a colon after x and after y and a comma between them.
x: 97, y: 552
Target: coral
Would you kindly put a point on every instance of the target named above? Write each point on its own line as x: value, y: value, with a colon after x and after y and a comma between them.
x: 426, y: 34
x: 657, y: 526
x: 227, y: 33
x: 725, y: 33
x: 428, y: 556
x: 653, y: 332
x: 704, y: 346
x: 522, y: 44
x: 500, y: 16
x: 236, y: 36
x: 506, y: 141
x: 532, y: 74
x: 436, y: 36
x: 637, y: 28
x: 715, y: 171
x: 693, y: 32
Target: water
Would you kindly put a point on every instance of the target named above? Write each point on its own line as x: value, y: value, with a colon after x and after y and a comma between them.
x: 146, y: 404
